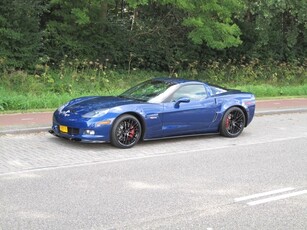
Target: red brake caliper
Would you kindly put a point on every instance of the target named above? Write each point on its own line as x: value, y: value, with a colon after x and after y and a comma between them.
x: 132, y: 132
x: 227, y: 122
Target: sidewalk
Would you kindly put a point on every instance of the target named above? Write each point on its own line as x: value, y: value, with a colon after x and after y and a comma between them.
x: 41, y: 121
x: 277, y: 106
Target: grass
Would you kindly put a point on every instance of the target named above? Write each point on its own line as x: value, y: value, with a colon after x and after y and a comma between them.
x: 47, y: 88
x: 269, y: 91
x: 11, y: 100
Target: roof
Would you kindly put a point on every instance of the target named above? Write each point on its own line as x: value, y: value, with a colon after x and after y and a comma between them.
x: 174, y: 80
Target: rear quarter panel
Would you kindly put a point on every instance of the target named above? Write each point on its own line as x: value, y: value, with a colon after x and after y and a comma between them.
x: 245, y: 101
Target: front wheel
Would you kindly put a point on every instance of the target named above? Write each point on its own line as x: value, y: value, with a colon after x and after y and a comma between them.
x: 233, y: 122
x: 126, y: 131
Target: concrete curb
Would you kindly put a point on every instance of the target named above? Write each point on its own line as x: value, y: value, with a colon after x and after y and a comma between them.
x: 32, y: 130
x: 24, y: 130
x: 280, y: 111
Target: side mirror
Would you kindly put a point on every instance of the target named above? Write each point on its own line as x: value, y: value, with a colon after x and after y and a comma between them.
x: 181, y: 100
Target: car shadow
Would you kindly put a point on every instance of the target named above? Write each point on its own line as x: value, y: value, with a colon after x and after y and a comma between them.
x: 143, y: 144
x: 180, y: 139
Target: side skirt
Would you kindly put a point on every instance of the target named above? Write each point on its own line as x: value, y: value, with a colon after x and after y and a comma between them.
x: 181, y: 136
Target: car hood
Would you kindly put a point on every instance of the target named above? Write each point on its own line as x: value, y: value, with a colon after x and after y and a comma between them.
x: 88, y: 104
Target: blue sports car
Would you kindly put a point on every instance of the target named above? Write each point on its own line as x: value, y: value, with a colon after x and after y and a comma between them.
x: 157, y: 108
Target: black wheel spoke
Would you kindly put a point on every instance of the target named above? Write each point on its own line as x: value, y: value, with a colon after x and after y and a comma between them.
x: 128, y: 132
x: 235, y: 122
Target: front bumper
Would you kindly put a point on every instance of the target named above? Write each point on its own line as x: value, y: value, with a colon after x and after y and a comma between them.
x: 86, y: 139
x: 80, y: 130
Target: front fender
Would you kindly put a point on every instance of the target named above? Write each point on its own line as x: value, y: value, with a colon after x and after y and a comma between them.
x: 148, y: 114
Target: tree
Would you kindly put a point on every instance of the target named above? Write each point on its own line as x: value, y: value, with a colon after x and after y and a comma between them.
x: 85, y: 30
x: 20, y: 35
x: 210, y: 20
x: 276, y: 29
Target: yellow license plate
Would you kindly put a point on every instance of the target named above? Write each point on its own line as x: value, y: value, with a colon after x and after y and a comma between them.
x: 63, y: 129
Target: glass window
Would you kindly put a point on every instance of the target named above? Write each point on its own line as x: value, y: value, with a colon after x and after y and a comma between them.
x: 217, y: 89
x: 193, y: 92
x: 146, y: 90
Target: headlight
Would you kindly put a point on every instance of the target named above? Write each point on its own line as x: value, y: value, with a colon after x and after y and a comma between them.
x: 96, y: 113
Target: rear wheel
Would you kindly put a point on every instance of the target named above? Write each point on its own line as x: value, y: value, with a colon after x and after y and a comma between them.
x: 233, y: 122
x: 126, y: 131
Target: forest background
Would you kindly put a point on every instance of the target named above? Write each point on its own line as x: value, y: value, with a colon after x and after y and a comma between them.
x: 54, y: 50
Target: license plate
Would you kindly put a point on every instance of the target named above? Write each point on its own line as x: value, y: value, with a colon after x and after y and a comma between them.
x: 63, y: 129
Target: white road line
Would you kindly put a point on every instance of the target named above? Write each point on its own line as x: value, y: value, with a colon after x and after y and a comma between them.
x: 277, y: 198
x: 263, y: 194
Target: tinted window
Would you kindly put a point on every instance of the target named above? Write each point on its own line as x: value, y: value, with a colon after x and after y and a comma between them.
x: 217, y: 90
x: 146, y: 90
x: 193, y: 92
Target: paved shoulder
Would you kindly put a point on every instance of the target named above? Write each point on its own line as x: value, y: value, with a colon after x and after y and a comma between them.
x: 25, y: 122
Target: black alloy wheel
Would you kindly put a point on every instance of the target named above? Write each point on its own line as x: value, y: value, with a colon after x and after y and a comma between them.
x: 126, y: 131
x: 233, y: 122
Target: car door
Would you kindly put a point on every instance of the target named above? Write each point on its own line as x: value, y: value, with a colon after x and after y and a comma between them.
x: 189, y: 111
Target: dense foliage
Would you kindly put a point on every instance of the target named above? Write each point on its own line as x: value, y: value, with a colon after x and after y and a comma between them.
x: 162, y: 35
x: 50, y: 89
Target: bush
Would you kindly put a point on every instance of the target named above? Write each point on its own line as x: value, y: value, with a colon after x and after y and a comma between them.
x: 49, y: 87
x: 20, y: 34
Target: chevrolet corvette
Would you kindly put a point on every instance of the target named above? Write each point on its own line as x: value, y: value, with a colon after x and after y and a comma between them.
x: 155, y: 109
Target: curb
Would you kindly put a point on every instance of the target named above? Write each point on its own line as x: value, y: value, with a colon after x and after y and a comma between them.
x: 280, y: 111
x: 46, y: 129
x: 25, y: 130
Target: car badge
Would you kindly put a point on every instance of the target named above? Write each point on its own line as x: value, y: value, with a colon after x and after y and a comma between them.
x: 66, y: 113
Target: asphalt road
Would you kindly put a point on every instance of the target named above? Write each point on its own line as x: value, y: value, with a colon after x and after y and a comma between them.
x: 255, y: 181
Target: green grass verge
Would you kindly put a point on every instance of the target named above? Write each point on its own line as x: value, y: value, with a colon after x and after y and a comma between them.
x: 13, y: 101
x: 269, y: 91
x: 20, y: 91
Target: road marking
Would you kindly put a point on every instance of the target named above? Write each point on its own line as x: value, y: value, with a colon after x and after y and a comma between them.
x: 263, y: 194
x: 277, y: 198
x: 272, y: 198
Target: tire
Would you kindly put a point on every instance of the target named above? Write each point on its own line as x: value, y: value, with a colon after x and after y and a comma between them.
x: 126, y: 131
x: 233, y: 122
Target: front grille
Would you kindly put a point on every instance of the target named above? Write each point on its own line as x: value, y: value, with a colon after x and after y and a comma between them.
x: 70, y: 131
x: 73, y: 131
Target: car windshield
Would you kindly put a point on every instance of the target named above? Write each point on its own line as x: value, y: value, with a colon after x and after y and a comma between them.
x: 146, y: 90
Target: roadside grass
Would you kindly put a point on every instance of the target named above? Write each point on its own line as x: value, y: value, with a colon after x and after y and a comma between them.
x: 269, y: 91
x: 48, y: 89
x: 13, y: 101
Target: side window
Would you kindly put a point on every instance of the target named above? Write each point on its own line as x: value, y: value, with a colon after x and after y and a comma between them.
x: 193, y: 92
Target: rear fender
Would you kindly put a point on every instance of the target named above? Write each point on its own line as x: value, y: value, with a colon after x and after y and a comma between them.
x: 248, y: 110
